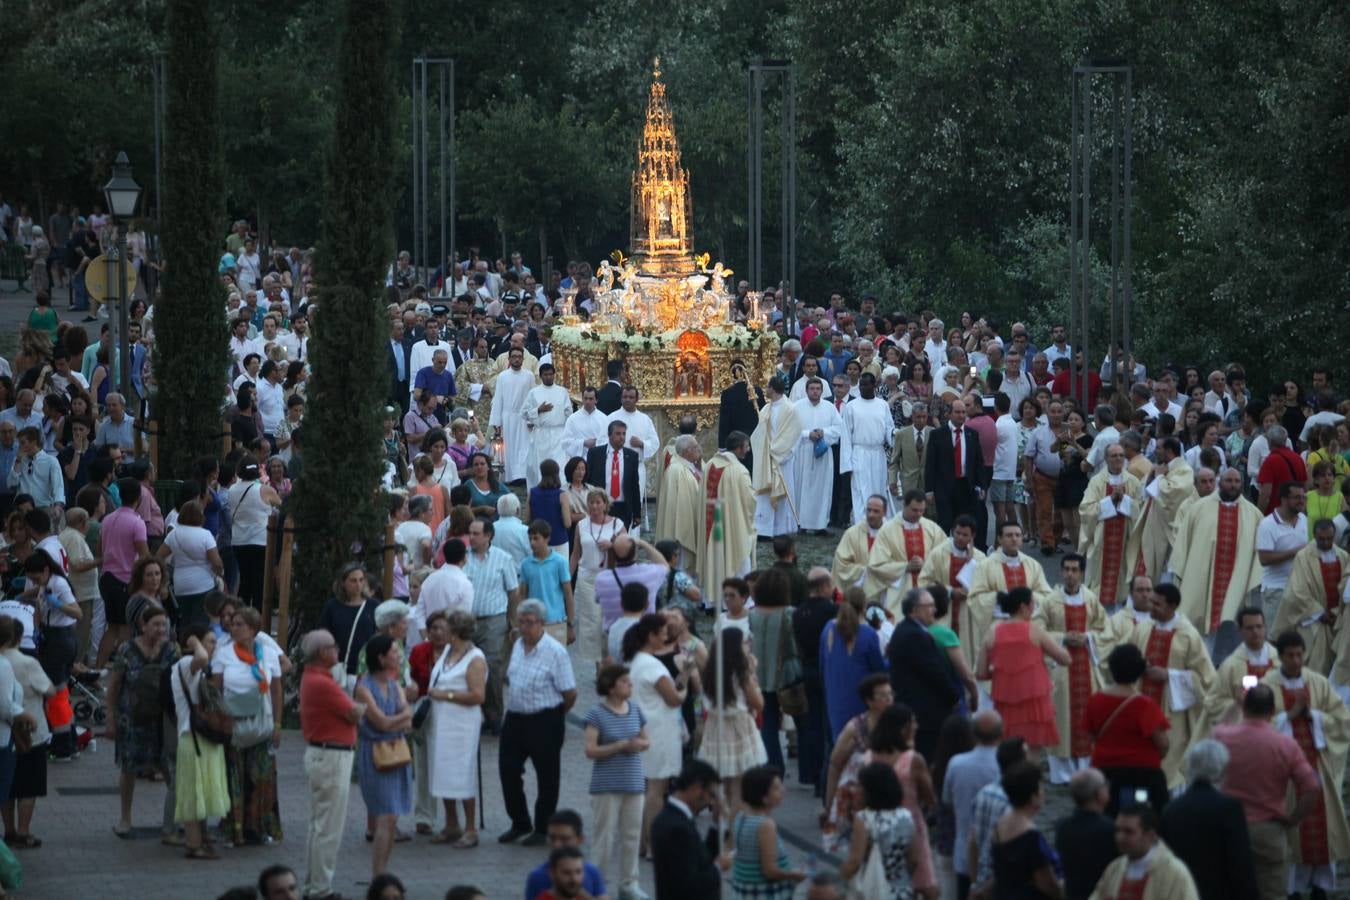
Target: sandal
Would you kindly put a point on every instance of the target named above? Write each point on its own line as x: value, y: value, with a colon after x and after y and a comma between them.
x: 447, y: 837
x: 202, y: 852
x: 24, y: 842
x: 468, y: 840
x: 174, y: 839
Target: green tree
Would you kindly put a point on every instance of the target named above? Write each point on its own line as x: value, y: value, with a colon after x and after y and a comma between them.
x: 190, y: 358
x: 337, y: 504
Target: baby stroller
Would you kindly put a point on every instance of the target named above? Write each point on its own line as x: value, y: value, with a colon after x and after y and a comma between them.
x: 86, y: 696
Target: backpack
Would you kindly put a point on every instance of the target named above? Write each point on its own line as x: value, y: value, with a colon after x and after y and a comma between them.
x: 148, y: 693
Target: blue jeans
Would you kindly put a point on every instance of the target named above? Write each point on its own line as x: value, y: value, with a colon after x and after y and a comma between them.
x: 81, y: 302
x: 769, y: 731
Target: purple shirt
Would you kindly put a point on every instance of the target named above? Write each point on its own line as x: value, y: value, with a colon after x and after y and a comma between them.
x: 608, y: 587
x: 121, y: 530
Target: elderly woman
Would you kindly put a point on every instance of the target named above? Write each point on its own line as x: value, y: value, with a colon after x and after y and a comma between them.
x: 387, y: 794
x: 456, y: 689
x: 135, y: 716
x: 593, y: 535
x: 201, y: 787
x: 248, y: 671
x: 465, y: 438
x: 1129, y: 730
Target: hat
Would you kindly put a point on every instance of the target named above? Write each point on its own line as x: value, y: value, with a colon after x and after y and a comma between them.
x: 227, y: 263
x: 440, y: 309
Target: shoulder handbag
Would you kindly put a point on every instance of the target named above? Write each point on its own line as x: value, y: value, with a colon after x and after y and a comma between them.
x: 870, y: 882
x: 390, y: 756
x: 346, y: 681
x: 423, y: 709
x: 211, y: 723
x: 1115, y: 712
x: 251, y: 729
x: 791, y: 690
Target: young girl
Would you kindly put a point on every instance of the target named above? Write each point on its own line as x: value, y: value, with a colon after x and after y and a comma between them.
x: 735, y: 594
x: 678, y: 590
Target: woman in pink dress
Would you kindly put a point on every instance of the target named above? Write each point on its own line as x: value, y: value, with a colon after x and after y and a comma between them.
x: 892, y: 743
x: 1013, y: 656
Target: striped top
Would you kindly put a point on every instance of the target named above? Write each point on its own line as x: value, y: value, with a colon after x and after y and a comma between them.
x: 493, y: 576
x: 621, y: 773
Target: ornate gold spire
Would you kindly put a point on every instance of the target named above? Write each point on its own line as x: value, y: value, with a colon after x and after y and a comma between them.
x: 661, y: 212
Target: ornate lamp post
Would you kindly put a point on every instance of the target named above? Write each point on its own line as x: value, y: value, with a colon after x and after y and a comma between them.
x: 122, y: 194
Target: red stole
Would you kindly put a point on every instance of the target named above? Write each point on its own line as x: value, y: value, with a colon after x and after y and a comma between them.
x: 712, y: 481
x: 1225, y: 557
x: 1157, y: 652
x: 871, y: 539
x: 1113, y: 554
x: 1259, y: 671
x: 913, y: 548
x: 1132, y: 890
x: 1312, y: 831
x: 1331, y: 581
x: 954, y: 567
x: 1015, y: 576
x: 1080, y: 683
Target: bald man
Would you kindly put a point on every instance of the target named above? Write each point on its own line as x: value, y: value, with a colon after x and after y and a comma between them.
x: 1086, y: 839
x: 966, y: 774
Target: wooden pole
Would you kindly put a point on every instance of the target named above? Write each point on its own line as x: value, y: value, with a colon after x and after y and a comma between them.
x: 269, y: 570
x: 284, y: 586
x: 225, y: 447
x: 387, y: 580
x: 154, y: 445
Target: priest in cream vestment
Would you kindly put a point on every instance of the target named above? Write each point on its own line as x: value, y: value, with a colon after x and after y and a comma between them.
x: 773, y: 444
x: 1004, y: 569
x: 1253, y: 658
x: 729, y: 524
x: 681, y: 513
x: 1310, y: 711
x: 952, y: 564
x: 1108, y: 537
x: 897, y: 556
x: 850, y: 557
x: 1312, y: 596
x: 1170, y: 484
x: 1178, y: 677
x: 1155, y: 873
x: 1214, y: 559
x: 1073, y: 617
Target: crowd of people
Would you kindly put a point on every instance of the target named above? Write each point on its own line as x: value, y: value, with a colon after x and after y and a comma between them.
x: 928, y: 683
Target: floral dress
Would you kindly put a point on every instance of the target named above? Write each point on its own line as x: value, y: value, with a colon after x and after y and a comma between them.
x: 847, y: 794
x: 892, y: 831
x: 140, y: 746
x: 1019, y: 485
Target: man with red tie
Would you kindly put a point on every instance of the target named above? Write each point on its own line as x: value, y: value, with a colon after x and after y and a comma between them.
x: 614, y: 469
x: 954, y: 471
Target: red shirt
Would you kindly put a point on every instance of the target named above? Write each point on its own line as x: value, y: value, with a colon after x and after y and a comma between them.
x: 1128, y: 742
x: 421, y: 660
x: 1261, y: 763
x: 1060, y: 387
x: 323, y: 709
x: 1280, y: 466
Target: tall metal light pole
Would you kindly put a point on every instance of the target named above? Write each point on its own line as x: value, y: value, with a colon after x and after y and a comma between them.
x: 122, y: 193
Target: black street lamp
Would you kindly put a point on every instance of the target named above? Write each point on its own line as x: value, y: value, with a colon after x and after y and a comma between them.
x: 122, y: 193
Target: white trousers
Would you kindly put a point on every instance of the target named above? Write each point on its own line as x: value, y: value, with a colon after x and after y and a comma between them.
x: 615, y: 834
x: 424, y: 813
x: 590, y: 624
x: 329, y: 773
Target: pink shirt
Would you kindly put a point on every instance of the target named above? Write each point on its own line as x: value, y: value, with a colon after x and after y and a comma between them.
x: 122, y: 528
x: 1261, y: 764
x: 147, y: 507
x: 985, y: 427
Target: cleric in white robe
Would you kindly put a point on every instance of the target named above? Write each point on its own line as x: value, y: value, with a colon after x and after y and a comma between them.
x: 545, y: 412
x: 586, y: 428
x: 814, y: 470
x: 773, y: 444
x: 508, y: 398
x: 642, y: 435
x: 863, y: 444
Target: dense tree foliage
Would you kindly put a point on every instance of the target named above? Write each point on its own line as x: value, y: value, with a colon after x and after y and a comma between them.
x: 934, y: 139
x: 190, y: 353
x: 337, y: 506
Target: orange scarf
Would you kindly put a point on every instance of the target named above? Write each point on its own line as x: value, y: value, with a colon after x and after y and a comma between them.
x: 250, y: 656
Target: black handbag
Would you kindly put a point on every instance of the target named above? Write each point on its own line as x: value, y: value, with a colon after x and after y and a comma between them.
x: 212, y: 722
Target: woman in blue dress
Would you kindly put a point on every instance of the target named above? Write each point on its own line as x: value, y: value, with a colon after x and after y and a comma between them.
x: 387, y: 717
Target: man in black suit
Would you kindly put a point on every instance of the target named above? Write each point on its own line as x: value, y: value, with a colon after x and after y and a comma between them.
x: 953, y: 471
x: 396, y: 360
x: 920, y: 674
x: 1207, y: 829
x: 738, y: 409
x: 614, y: 469
x: 684, y: 864
x: 462, y: 352
x: 610, y: 397
x: 1086, y: 840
